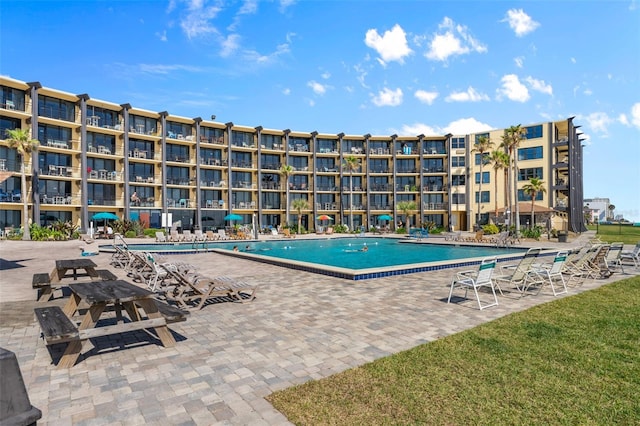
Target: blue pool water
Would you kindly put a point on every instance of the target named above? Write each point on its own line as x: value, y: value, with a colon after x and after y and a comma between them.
x: 343, y: 252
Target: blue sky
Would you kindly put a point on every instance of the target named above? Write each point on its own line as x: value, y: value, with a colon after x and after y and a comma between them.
x: 379, y: 67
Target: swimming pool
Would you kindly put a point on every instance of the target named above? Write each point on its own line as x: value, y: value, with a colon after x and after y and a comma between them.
x: 344, y: 257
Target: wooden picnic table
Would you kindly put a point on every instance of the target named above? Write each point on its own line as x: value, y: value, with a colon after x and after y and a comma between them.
x: 63, y: 266
x: 143, y: 310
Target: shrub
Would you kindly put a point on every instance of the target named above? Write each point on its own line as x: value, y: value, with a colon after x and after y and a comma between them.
x: 490, y: 229
x: 339, y: 229
x: 130, y: 234
x: 534, y: 232
x: 151, y: 232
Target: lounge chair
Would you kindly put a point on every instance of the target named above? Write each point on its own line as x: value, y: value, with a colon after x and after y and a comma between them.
x: 578, y: 265
x: 160, y: 237
x: 194, y: 290
x: 222, y: 234
x: 518, y: 276
x: 210, y: 236
x: 599, y: 264
x: 541, y: 275
x: 476, y: 280
x: 187, y: 236
x: 198, y: 235
x: 632, y: 256
x: 174, y: 236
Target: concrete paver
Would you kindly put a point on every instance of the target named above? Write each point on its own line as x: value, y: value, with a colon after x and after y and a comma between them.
x: 229, y: 356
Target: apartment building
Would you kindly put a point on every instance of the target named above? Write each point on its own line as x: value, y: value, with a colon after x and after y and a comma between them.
x: 97, y: 156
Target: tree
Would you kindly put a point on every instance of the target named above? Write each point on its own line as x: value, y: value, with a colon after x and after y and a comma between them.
x: 20, y: 140
x: 482, y: 145
x: 351, y: 164
x: 500, y: 161
x: 406, y: 207
x: 286, y: 171
x: 533, y: 188
x: 298, y: 205
x: 511, y: 141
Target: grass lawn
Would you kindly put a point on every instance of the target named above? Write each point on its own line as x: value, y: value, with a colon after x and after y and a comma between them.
x: 572, y: 361
x: 611, y: 233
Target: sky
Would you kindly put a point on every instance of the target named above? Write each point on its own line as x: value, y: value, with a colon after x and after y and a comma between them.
x: 378, y: 67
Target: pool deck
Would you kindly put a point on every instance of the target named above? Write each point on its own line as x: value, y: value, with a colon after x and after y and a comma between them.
x: 229, y: 356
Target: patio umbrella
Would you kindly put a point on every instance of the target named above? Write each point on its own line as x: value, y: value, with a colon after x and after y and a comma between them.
x: 384, y: 217
x: 105, y: 216
x: 324, y: 217
x: 232, y: 217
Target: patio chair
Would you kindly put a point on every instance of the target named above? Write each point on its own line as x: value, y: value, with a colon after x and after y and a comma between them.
x: 174, y: 236
x: 541, y: 275
x: 598, y: 262
x: 210, y: 236
x: 198, y: 235
x: 194, y: 290
x: 187, y: 235
x: 222, y: 234
x: 518, y: 276
x: 160, y: 237
x: 120, y: 257
x: 578, y: 265
x: 476, y: 280
x: 632, y: 256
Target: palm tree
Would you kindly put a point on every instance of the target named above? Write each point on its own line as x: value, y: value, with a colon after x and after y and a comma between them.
x: 533, y: 188
x: 482, y: 145
x: 351, y: 164
x: 298, y: 205
x: 510, y: 141
x: 286, y: 171
x: 500, y: 161
x: 406, y: 207
x: 19, y: 140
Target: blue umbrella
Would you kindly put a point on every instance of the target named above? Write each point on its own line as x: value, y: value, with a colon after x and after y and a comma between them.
x: 233, y: 216
x: 384, y: 217
x: 105, y: 216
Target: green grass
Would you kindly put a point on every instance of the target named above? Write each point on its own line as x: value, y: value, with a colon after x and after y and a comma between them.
x: 612, y: 233
x: 572, y: 361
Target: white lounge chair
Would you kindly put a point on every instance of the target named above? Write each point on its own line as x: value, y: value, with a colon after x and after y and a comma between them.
x: 160, y: 237
x: 476, y: 280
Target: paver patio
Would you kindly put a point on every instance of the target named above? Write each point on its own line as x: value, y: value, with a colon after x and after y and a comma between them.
x: 229, y: 356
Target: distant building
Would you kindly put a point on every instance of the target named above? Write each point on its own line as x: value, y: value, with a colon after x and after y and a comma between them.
x: 599, y: 208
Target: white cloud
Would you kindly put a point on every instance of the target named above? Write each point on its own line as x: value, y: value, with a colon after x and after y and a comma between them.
x: 587, y: 92
x: 249, y: 7
x: 361, y: 74
x: 417, y: 129
x: 519, y: 61
x: 452, y: 40
x: 391, y: 46
x: 464, y: 126
x: 573, y: 60
x: 286, y: 91
x: 326, y: 75
x: 162, y: 36
x: 229, y: 45
x: 622, y: 118
x: 520, y: 22
x: 256, y: 57
x: 388, y: 97
x: 471, y: 95
x: 318, y: 89
x: 166, y: 69
x: 426, y: 97
x: 513, y: 89
x: 196, y: 21
x: 598, y: 122
x: 635, y: 115
x: 539, y: 85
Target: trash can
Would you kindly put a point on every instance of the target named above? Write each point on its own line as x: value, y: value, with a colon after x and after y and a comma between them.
x: 15, y: 407
x: 562, y: 236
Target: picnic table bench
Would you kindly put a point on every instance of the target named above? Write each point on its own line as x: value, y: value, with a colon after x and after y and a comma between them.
x: 58, y: 326
x: 47, y: 283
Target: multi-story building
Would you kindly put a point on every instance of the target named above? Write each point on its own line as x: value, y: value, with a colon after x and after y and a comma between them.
x: 97, y: 156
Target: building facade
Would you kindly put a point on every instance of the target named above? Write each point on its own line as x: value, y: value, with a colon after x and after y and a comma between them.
x: 97, y: 156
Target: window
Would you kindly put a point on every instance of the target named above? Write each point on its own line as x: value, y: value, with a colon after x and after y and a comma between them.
x: 94, y: 140
x: 379, y: 202
x: 534, y: 132
x: 242, y: 139
x: 179, y: 153
x: 101, y: 194
x: 177, y: 175
x: 11, y: 98
x: 142, y: 125
x: 458, y: 180
x: 481, y: 135
x: 526, y: 197
x: 485, y: 197
x: 526, y: 174
x: 457, y: 162
x: 486, y: 156
x: 56, y: 108
x: 405, y: 166
x: 241, y: 159
x: 530, y: 153
x: 299, y: 163
x: 178, y: 130
x: 457, y: 143
x: 378, y: 166
x: 139, y: 171
x: 458, y: 198
x: 270, y: 161
x: 433, y: 165
x: 53, y: 133
x: 211, y: 135
x: 326, y: 145
x: 485, y: 177
x: 104, y: 117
